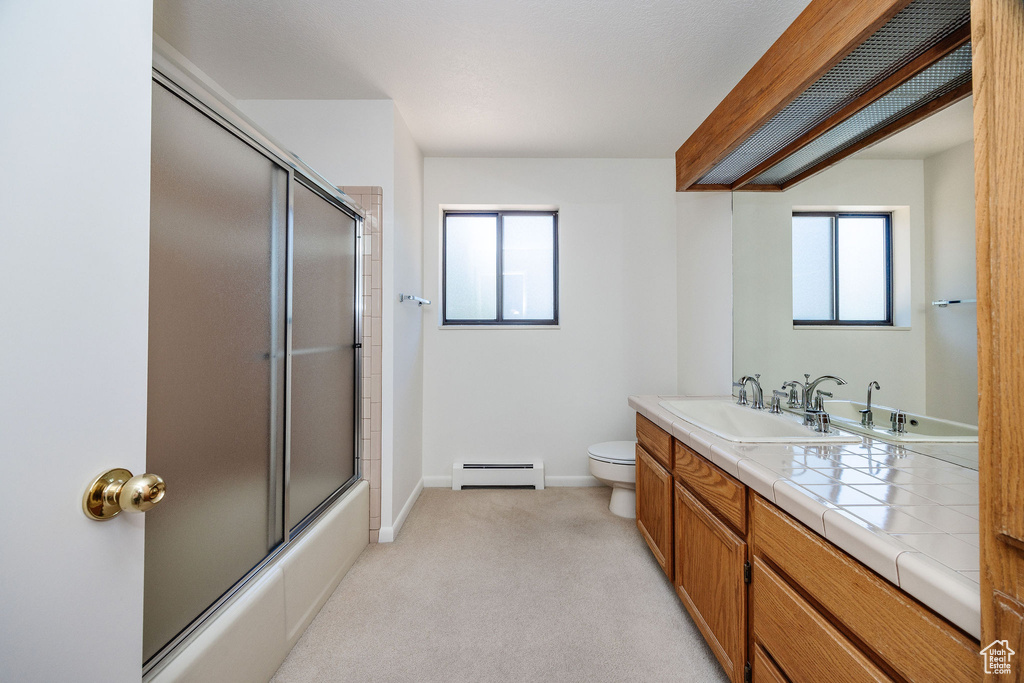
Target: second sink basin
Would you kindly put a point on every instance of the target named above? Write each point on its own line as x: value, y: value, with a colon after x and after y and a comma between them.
x: 920, y: 428
x: 723, y: 418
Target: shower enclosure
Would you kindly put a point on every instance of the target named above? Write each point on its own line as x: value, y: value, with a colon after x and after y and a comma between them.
x: 253, y: 355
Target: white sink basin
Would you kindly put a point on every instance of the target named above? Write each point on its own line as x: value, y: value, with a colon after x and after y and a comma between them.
x: 920, y: 428
x: 723, y: 418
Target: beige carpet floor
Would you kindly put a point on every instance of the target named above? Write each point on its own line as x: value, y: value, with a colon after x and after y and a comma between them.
x: 505, y: 585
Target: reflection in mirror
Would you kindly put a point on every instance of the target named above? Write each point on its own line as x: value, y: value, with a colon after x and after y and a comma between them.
x: 926, y: 359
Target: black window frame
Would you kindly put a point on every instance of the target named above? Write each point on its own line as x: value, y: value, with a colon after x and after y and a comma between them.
x: 498, y: 320
x: 835, y: 321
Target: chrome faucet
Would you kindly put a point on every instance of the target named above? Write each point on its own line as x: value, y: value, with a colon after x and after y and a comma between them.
x: 867, y: 419
x: 811, y: 411
x: 757, y: 401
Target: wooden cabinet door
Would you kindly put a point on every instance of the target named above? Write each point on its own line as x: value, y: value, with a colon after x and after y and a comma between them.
x: 709, y: 580
x: 654, y: 507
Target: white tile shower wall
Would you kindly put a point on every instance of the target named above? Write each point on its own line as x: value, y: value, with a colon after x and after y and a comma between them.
x: 370, y: 198
x: 549, y: 393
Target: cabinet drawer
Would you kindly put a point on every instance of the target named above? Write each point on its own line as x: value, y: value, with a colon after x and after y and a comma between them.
x: 765, y: 670
x: 915, y: 642
x: 720, y: 492
x: 655, y: 440
x: 803, y: 643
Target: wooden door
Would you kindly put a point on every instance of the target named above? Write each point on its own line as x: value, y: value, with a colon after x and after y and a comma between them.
x: 997, y: 28
x: 654, y: 507
x: 709, y: 579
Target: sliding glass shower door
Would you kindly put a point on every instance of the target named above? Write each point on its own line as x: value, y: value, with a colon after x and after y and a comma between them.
x: 323, y: 336
x: 253, y: 364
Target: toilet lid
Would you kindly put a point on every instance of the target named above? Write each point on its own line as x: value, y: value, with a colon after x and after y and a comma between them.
x: 618, y: 452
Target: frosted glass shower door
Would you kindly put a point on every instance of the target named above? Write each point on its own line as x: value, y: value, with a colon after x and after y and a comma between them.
x: 323, y: 357
x: 216, y: 364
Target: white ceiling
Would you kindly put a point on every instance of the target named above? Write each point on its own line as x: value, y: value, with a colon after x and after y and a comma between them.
x: 522, y: 78
x: 947, y: 129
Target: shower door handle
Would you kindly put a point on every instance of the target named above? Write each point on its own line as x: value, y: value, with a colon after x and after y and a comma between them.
x: 117, y: 490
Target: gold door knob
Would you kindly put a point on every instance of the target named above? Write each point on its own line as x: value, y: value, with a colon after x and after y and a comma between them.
x: 116, y: 490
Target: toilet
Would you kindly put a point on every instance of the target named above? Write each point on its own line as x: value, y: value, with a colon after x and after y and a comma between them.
x: 614, y: 463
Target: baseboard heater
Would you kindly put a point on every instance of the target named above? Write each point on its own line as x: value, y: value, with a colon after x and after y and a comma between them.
x: 498, y: 475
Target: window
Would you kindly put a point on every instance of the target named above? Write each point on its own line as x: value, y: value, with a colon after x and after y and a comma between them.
x: 842, y: 269
x: 500, y: 268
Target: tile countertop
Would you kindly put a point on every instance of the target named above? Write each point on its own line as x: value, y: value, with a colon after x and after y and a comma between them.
x: 910, y: 517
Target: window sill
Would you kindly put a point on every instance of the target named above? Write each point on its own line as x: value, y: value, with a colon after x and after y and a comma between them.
x: 499, y: 327
x: 873, y: 328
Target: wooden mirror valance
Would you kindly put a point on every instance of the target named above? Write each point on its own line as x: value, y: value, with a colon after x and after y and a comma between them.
x: 844, y: 76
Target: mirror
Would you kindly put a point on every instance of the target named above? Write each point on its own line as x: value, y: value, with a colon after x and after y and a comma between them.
x: 926, y: 361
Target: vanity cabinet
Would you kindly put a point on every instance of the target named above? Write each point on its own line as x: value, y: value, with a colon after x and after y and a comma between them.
x: 774, y: 600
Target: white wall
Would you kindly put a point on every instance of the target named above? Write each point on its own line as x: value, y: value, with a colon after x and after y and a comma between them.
x: 349, y: 142
x: 74, y: 196
x: 765, y: 340
x: 952, y: 333
x: 549, y: 393
x: 704, y: 282
x: 366, y: 142
x: 406, y: 320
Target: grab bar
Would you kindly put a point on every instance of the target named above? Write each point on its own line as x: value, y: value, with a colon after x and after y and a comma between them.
x: 945, y: 302
x: 410, y: 297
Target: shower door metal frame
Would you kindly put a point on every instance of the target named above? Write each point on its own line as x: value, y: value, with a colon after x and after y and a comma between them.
x: 179, y: 81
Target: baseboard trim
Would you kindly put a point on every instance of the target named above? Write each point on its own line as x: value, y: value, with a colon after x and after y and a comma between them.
x: 585, y: 480
x: 389, y: 533
x: 443, y: 482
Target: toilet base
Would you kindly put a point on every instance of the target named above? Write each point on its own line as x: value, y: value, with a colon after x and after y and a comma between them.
x: 623, y: 502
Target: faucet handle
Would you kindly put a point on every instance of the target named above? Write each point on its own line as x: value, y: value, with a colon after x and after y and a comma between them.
x: 898, y: 420
x: 741, y: 397
x: 824, y: 423
x: 818, y: 395
x: 777, y: 396
x: 867, y: 418
x: 793, y: 400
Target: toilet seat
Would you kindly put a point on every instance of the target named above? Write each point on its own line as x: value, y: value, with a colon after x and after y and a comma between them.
x: 614, y: 452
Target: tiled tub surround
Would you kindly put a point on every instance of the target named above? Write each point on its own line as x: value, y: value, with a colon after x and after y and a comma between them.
x: 910, y: 517
x: 370, y: 198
